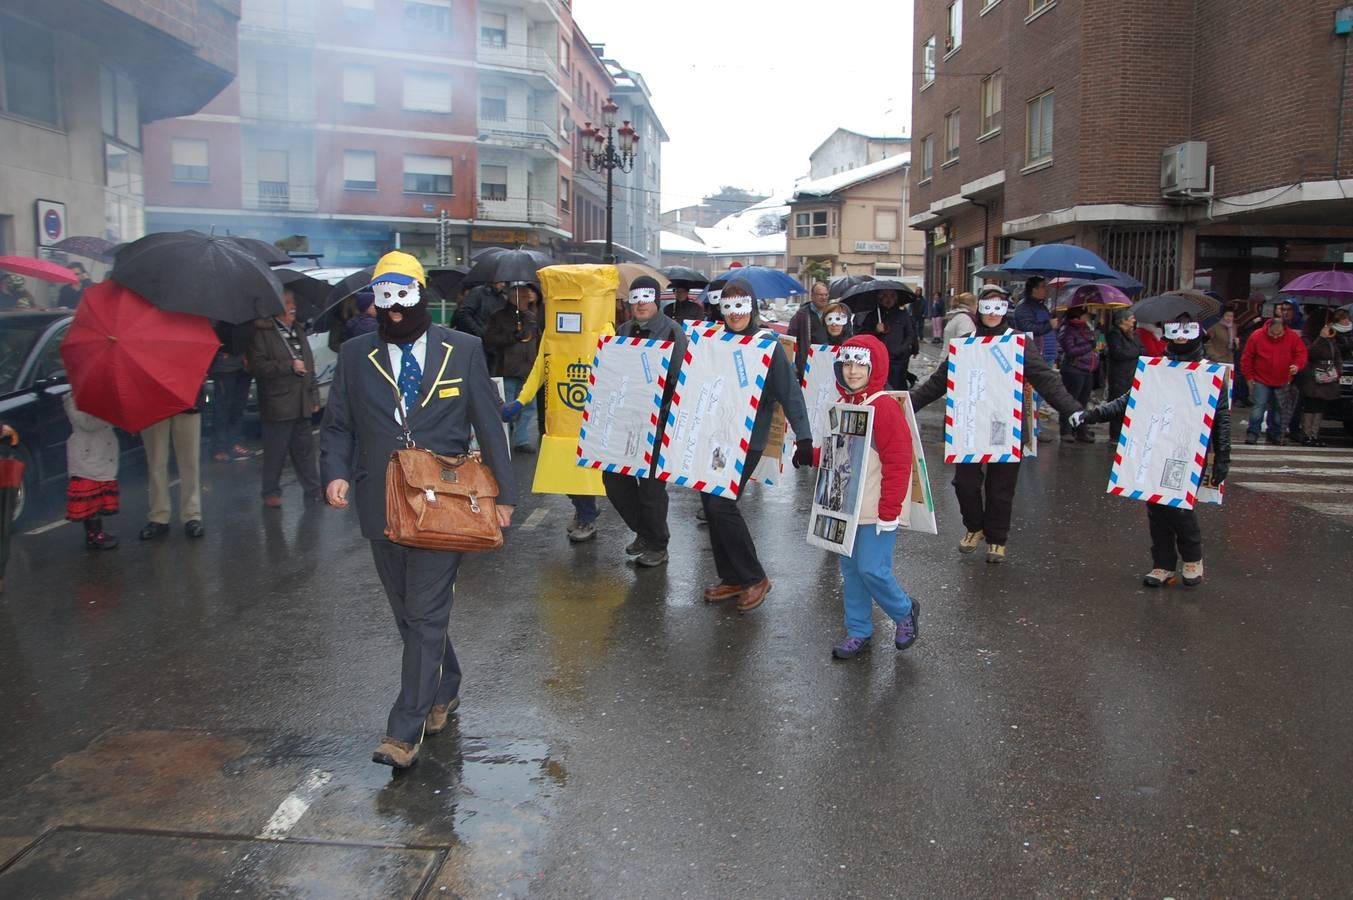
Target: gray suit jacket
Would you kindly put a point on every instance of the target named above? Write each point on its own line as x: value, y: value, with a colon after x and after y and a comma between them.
x: 360, y: 430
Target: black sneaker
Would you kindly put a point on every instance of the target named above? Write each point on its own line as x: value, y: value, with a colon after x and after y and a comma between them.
x: 153, y: 530
x: 100, y: 540
x: 193, y: 528
x: 1251, y: 438
x: 635, y: 547
x: 650, y: 558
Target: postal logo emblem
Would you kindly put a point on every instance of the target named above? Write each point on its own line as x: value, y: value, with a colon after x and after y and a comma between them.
x: 573, y: 388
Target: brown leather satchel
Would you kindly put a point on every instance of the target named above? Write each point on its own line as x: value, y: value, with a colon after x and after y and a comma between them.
x: 436, y: 502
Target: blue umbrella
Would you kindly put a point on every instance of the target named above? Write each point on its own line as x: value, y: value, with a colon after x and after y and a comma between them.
x: 767, y: 283
x: 1058, y: 259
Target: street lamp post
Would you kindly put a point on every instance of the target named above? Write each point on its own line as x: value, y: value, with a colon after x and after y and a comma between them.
x: 603, y: 155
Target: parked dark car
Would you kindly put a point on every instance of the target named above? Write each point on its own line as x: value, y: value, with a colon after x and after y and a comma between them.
x: 32, y: 384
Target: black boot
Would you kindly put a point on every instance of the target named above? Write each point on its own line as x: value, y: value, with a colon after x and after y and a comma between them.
x: 96, y: 538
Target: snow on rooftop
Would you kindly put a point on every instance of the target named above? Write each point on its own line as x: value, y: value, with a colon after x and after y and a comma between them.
x: 831, y: 184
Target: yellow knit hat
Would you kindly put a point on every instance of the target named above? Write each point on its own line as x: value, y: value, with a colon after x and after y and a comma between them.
x: 400, y: 268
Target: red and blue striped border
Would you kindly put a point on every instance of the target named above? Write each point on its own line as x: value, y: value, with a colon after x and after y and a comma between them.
x: 651, y: 436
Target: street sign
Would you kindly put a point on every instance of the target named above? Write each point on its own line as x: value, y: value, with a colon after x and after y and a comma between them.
x: 51, y: 222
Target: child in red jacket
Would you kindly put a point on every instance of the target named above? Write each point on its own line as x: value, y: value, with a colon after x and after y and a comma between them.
x: 867, y: 574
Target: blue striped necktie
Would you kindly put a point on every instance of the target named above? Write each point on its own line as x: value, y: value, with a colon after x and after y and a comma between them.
x: 410, y: 376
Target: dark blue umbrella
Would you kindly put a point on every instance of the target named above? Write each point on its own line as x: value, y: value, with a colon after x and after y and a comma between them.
x: 1058, y: 259
x: 766, y: 283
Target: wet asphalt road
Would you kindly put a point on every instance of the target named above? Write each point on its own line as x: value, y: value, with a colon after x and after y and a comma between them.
x: 194, y: 718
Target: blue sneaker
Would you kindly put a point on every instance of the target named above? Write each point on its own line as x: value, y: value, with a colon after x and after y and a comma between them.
x: 909, y: 628
x: 850, y: 648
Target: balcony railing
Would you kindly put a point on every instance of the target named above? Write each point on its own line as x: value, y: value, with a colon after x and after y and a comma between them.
x: 514, y: 131
x: 282, y: 196
x: 278, y: 107
x: 537, y: 212
x: 517, y: 56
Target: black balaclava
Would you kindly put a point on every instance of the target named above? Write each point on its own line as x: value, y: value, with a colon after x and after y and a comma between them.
x: 416, y: 321
x: 1191, y: 351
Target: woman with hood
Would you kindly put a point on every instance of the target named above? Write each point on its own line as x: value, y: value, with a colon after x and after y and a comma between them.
x: 1175, y: 534
x: 741, y: 575
x: 867, y: 574
x: 1124, y: 346
x: 961, y: 320
x: 1079, y: 361
x: 837, y: 318
x: 986, y: 491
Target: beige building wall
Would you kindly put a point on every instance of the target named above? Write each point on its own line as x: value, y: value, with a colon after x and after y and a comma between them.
x: 857, y: 243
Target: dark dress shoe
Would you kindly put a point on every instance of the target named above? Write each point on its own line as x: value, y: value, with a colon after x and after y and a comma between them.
x: 153, y: 530
x: 193, y: 528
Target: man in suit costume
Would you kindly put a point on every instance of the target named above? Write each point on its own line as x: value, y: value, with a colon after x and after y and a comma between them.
x: 436, y: 380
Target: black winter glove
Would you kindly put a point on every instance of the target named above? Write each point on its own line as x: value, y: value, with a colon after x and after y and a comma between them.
x: 1219, y: 471
x: 803, y: 453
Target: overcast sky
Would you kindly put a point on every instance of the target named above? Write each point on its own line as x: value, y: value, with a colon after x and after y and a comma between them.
x: 786, y: 74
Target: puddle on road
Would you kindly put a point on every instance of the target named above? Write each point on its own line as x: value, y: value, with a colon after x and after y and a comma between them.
x: 485, y: 804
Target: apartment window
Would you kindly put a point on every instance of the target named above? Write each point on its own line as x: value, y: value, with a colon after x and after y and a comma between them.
x: 951, y: 136
x: 563, y: 54
x: 27, y: 71
x: 493, y: 30
x: 188, y: 161
x: 428, y: 15
x: 121, y: 113
x: 1039, y: 5
x: 886, y: 270
x: 122, y: 170
x: 927, y: 157
x: 885, y: 224
x: 427, y: 174
x: 493, y: 182
x: 425, y: 92
x: 953, y: 38
x: 493, y: 102
x: 928, y: 61
x: 359, y: 85
x: 565, y: 125
x: 359, y: 170
x: 974, y: 258
x: 563, y: 194
x: 1038, y: 129
x: 274, y: 186
x: 270, y: 89
x: 810, y: 224
x: 991, y: 103
x: 359, y: 11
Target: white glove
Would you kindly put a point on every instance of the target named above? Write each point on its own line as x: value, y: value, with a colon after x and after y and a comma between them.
x: 881, y: 527
x: 1077, y: 418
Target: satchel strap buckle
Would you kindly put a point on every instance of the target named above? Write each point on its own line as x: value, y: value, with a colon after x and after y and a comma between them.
x: 430, y: 495
x: 474, y: 502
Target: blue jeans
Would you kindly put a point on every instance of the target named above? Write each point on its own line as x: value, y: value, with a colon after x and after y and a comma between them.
x: 1265, y: 399
x: 521, y: 428
x: 584, y: 507
x: 868, y: 574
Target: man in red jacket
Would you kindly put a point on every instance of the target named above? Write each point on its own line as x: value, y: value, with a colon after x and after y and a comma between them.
x: 1272, y: 358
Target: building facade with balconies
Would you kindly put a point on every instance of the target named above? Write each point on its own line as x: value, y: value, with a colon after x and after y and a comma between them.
x: 431, y: 125
x: 78, y: 81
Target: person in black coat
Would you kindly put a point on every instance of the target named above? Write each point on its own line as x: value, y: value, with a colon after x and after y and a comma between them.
x: 1175, y: 533
x: 891, y: 323
x: 986, y: 491
x: 1123, y: 348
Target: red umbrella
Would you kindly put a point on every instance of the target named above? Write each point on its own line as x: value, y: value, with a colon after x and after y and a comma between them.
x: 131, y: 363
x: 43, y: 269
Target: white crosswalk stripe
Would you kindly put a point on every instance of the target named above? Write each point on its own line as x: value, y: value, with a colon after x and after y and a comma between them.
x: 1317, y: 478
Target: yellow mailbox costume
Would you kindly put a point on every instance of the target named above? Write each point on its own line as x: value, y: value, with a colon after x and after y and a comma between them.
x: 579, y: 311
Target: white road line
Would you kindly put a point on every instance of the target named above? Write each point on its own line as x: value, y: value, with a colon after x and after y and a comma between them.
x: 294, y: 805
x: 535, y: 518
x: 1291, y: 470
x: 1288, y: 487
x: 1289, y: 448
x: 50, y: 526
x: 1331, y: 509
x: 1294, y: 458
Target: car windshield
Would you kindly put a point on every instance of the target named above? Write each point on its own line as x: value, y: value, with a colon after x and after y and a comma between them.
x: 18, y: 334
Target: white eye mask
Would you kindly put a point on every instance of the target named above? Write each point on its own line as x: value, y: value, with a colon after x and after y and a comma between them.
x: 836, y: 318
x: 993, y: 306
x: 643, y: 295
x: 1188, y: 331
x: 389, y: 294
x: 736, y: 306
x: 860, y: 356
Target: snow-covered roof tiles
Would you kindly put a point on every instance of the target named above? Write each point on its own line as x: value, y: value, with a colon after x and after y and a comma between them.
x: 831, y: 184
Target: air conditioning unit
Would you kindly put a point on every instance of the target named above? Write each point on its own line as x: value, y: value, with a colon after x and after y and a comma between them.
x: 1183, y: 169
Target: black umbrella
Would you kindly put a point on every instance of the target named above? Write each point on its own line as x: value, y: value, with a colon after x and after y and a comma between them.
x: 446, y: 283
x: 837, y: 287
x: 485, y: 268
x: 204, y: 275
x: 311, y: 293
x: 865, y: 297
x: 518, y: 266
x: 266, y: 253
x: 333, y: 301
x: 684, y: 276
x: 1168, y: 308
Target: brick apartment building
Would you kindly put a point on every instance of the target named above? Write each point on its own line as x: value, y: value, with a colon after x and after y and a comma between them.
x: 366, y: 124
x: 78, y: 80
x: 1039, y: 121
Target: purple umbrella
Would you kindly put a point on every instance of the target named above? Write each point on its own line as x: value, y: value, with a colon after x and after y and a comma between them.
x: 1333, y: 288
x: 1094, y: 296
